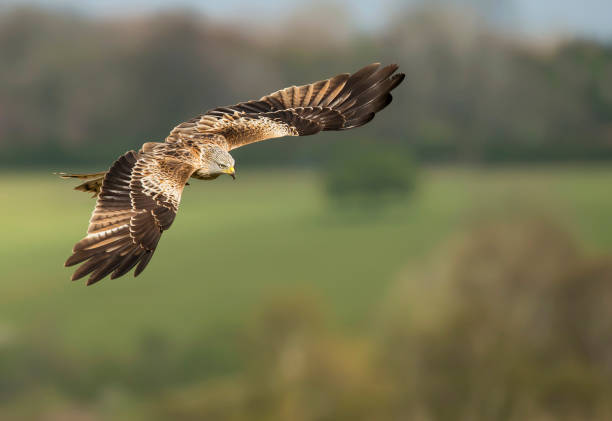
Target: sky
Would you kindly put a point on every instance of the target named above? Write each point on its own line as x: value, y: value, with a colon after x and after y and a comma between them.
x: 591, y: 18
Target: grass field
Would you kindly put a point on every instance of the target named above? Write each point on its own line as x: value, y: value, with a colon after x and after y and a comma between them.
x: 236, y: 242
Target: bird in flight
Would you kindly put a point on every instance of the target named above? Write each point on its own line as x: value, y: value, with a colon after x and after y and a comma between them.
x: 138, y: 197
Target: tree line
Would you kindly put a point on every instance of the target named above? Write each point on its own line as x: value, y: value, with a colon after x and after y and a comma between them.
x: 81, y: 90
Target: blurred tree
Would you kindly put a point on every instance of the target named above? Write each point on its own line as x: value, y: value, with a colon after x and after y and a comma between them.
x: 296, y: 371
x: 511, y: 322
x: 515, y: 326
x: 83, y: 89
x: 369, y: 175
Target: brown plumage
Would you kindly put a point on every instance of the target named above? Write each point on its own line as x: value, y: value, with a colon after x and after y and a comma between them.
x: 339, y: 103
x: 138, y: 197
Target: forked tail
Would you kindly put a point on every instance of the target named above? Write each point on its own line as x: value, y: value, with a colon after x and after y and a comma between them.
x: 93, y: 183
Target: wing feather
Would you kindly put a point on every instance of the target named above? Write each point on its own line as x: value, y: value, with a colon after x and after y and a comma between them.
x: 342, y: 102
x: 139, y: 198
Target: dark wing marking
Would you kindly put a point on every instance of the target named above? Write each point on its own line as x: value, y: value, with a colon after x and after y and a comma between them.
x: 339, y: 103
x: 139, y: 199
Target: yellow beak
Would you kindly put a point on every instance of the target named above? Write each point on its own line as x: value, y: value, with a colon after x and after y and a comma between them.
x: 231, y: 171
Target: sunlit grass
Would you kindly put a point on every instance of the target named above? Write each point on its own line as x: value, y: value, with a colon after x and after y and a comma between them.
x: 235, y: 242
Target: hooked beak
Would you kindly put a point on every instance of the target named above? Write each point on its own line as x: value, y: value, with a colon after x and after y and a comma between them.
x: 231, y: 171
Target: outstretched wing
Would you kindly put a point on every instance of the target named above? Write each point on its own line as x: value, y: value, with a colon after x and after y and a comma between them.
x: 342, y: 102
x: 138, y: 201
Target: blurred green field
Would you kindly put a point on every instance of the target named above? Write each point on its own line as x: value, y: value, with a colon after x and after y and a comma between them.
x: 235, y: 242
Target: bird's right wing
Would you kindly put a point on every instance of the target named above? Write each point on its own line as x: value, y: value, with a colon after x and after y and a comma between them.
x: 139, y: 199
x: 339, y: 103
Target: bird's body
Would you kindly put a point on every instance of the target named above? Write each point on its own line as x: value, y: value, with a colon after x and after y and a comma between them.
x: 138, y: 197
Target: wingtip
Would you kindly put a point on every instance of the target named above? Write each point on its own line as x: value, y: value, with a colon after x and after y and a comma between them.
x: 392, y: 66
x: 95, y: 277
x: 72, y: 260
x: 397, y: 79
x: 144, y: 261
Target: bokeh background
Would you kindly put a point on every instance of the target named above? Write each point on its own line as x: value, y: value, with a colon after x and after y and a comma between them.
x: 452, y: 260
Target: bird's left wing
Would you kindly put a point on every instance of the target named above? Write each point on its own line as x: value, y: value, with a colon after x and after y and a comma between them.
x: 139, y: 199
x: 342, y: 102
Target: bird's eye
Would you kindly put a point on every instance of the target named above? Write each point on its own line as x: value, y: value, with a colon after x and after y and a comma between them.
x: 223, y: 166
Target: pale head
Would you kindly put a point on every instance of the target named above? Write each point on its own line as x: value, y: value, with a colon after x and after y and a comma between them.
x: 216, y: 161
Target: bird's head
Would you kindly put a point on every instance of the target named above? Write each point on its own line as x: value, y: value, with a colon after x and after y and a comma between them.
x: 216, y: 161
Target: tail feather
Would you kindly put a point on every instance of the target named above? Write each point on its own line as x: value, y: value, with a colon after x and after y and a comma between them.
x: 93, y: 183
